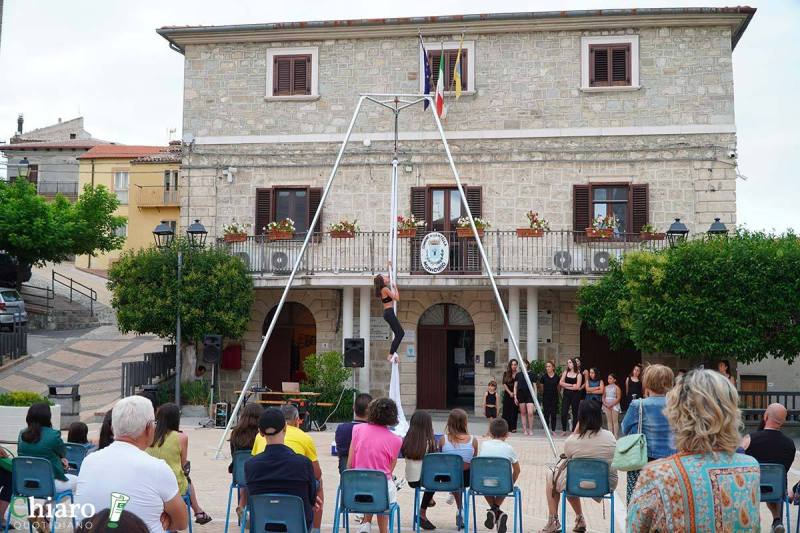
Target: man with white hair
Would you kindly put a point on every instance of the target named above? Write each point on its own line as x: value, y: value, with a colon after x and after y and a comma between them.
x: 125, y: 473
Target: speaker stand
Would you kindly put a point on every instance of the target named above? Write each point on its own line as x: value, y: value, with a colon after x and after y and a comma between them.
x: 210, y: 422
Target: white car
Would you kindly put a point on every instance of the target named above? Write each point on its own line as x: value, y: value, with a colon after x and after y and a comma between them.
x: 12, y: 309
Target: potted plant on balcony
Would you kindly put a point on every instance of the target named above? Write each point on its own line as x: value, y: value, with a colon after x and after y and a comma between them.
x: 536, y: 226
x: 344, y: 229
x: 463, y: 228
x: 281, y: 230
x: 234, y: 232
x: 602, y: 227
x: 407, y: 226
x: 648, y: 233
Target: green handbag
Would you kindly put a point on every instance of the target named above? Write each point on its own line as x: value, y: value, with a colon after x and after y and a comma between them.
x: 631, y: 451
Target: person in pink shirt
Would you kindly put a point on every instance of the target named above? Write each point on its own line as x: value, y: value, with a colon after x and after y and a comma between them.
x: 375, y: 447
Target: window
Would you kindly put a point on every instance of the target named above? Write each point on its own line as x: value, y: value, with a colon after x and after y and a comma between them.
x: 122, y: 231
x: 627, y: 202
x: 292, y: 73
x: 610, y: 63
x: 121, y: 186
x: 73, y: 136
x: 450, y: 52
x: 611, y: 201
x: 170, y: 180
x: 293, y: 204
x: 297, y: 203
x: 33, y: 174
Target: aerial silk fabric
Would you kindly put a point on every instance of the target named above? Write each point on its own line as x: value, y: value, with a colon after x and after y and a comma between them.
x: 394, y: 393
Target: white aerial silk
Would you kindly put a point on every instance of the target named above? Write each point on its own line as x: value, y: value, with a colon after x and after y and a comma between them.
x: 394, y: 383
x: 394, y: 393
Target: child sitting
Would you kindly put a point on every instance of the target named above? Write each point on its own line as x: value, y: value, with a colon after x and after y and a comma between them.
x: 498, y: 447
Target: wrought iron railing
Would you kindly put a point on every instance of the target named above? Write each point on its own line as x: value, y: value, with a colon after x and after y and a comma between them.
x: 156, y: 196
x: 14, y: 342
x: 50, y: 189
x: 555, y: 252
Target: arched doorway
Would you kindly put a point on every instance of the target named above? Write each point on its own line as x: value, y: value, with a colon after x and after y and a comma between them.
x: 294, y: 338
x: 446, y: 358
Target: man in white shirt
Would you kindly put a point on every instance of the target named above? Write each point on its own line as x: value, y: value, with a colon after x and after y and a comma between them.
x: 498, y: 447
x: 146, y: 484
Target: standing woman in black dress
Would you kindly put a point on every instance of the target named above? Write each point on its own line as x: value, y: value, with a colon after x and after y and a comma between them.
x: 523, y: 398
x: 388, y: 293
x: 549, y: 381
x: 633, y: 385
x: 571, y: 383
x: 509, y: 407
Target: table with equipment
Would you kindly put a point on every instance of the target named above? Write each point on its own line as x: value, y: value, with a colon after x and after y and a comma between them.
x: 307, y: 403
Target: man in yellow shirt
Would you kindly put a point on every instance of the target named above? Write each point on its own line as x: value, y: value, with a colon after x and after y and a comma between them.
x: 301, y: 444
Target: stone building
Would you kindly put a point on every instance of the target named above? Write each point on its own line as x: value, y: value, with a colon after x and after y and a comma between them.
x: 571, y: 115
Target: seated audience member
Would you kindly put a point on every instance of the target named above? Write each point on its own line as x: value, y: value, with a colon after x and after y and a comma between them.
x: 278, y: 469
x: 498, y: 447
x: 39, y: 439
x: 101, y: 523
x: 299, y: 441
x: 344, y: 432
x: 375, y: 447
x: 106, y: 432
x: 770, y: 445
x: 706, y: 475
x: 589, y: 441
x: 78, y: 433
x: 5, y: 484
x: 243, y: 437
x: 418, y: 442
x: 124, y: 467
x: 458, y: 440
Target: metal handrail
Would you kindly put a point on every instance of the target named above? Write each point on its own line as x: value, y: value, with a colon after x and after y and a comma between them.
x: 32, y: 295
x: 52, y: 188
x: 75, y: 287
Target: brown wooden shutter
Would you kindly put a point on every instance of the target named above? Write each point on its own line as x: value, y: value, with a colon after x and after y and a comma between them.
x: 282, y: 76
x: 464, y: 76
x: 620, y: 61
x: 301, y: 76
x: 435, y: 58
x: 475, y: 200
x: 263, y: 210
x: 598, y: 66
x: 581, y: 216
x: 420, y: 209
x: 314, y: 199
x: 640, y: 207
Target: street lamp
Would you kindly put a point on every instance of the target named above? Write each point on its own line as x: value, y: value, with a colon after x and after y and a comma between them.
x: 677, y: 232
x: 22, y: 168
x: 717, y: 228
x: 164, y: 236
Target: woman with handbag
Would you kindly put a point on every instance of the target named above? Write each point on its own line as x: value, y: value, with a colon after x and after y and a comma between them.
x: 657, y: 380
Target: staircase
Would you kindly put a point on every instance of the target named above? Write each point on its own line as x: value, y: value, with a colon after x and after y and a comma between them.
x: 63, y: 304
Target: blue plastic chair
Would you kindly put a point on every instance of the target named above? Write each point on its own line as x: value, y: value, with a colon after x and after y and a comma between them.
x: 33, y: 477
x: 76, y: 453
x: 188, y: 501
x: 773, y: 489
x: 441, y: 472
x: 365, y: 492
x: 276, y: 510
x: 491, y: 476
x: 586, y: 478
x: 237, y: 482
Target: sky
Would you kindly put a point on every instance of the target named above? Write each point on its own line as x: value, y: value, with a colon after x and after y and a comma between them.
x: 103, y: 60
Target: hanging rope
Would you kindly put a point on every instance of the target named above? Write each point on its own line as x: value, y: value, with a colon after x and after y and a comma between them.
x: 394, y: 382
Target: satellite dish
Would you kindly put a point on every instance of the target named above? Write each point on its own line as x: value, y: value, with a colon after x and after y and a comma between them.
x: 562, y: 260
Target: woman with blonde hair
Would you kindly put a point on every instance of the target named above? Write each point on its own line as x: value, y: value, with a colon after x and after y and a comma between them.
x: 706, y: 485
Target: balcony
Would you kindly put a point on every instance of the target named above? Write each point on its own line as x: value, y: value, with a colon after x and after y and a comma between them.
x: 156, y: 196
x: 555, y: 254
x: 49, y: 189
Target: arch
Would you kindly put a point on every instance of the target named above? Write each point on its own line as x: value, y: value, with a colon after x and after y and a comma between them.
x: 294, y: 339
x: 446, y: 315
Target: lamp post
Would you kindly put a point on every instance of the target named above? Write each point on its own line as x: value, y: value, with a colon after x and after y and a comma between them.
x: 717, y: 228
x: 677, y: 232
x: 164, y: 236
x: 23, y: 167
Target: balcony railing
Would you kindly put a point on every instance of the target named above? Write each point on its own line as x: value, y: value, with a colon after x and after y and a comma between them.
x: 51, y: 188
x: 556, y: 253
x: 156, y: 196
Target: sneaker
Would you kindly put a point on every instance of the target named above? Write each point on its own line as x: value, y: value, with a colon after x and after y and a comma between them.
x: 365, y: 528
x: 459, y: 522
x: 778, y: 527
x: 580, y: 524
x: 489, y: 523
x: 552, y: 525
x: 502, y: 523
x: 451, y: 499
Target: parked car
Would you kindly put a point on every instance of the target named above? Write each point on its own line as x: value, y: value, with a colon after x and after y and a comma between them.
x: 12, y: 309
x: 8, y: 271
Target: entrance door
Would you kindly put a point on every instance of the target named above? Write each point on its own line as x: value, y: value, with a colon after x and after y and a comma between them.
x: 596, y: 352
x: 446, y: 358
x: 293, y: 339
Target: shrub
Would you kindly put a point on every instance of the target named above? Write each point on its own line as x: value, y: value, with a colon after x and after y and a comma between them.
x: 22, y: 399
x: 195, y: 392
x: 325, y: 372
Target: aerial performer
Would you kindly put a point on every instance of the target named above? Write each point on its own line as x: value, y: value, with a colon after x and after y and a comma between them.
x: 387, y: 291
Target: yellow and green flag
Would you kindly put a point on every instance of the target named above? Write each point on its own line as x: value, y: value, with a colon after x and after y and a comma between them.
x: 457, y: 70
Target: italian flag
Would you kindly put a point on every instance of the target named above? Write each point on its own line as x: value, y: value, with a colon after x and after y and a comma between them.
x: 439, y: 99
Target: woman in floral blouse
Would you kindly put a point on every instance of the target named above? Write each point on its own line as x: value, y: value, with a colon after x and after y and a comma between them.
x: 706, y: 486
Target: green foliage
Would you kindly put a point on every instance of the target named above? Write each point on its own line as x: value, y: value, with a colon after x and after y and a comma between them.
x: 22, y: 399
x: 718, y: 298
x: 215, y: 293
x: 325, y: 372
x: 195, y: 392
x: 536, y: 367
x: 35, y: 231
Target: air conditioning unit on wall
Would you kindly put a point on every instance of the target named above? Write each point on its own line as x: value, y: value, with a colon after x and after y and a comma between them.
x: 569, y: 261
x: 281, y: 256
x: 601, y: 259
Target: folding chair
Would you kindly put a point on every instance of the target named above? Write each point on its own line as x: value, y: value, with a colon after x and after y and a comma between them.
x: 32, y: 477
x: 239, y: 459
x: 76, y: 453
x: 586, y: 478
x: 491, y: 476
x: 773, y: 489
x: 441, y: 472
x: 364, y: 492
x: 271, y: 510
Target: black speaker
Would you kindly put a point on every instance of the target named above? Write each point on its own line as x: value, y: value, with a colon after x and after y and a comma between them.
x: 488, y: 359
x: 354, y: 353
x: 212, y: 348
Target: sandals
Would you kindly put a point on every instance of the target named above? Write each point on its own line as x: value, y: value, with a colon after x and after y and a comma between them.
x: 202, y: 518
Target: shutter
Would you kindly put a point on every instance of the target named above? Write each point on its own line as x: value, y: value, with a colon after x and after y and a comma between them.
x: 419, y: 208
x: 263, y: 210
x: 435, y: 57
x: 314, y: 199
x: 600, y: 66
x: 450, y: 67
x: 640, y: 207
x: 475, y: 201
x: 464, y: 76
x: 282, y: 76
x: 470, y: 254
x: 301, y: 75
x: 619, y: 66
x: 581, y: 217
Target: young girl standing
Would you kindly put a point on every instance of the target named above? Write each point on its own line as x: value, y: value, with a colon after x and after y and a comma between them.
x: 490, y: 401
x: 594, y: 385
x: 611, y: 398
x: 510, y: 410
x: 633, y: 385
x: 418, y: 442
x: 571, y: 383
x: 457, y: 440
x: 549, y: 381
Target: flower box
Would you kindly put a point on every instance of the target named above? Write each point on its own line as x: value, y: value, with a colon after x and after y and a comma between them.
x: 343, y: 234
x: 467, y: 232
x: 280, y: 235
x: 12, y: 421
x: 406, y: 233
x: 529, y: 232
x: 600, y: 233
x: 651, y: 236
x: 234, y: 237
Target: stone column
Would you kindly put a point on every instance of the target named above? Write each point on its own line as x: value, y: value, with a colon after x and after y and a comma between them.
x: 347, y: 314
x: 533, y: 323
x: 363, y: 328
x: 513, y: 318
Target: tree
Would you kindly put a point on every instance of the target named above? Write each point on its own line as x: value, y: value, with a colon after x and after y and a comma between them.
x: 34, y: 231
x: 736, y: 298
x: 215, y: 293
